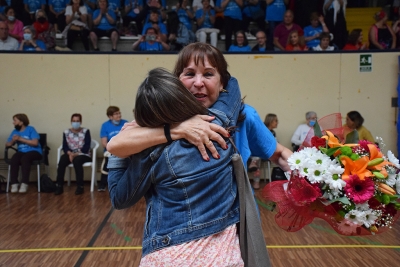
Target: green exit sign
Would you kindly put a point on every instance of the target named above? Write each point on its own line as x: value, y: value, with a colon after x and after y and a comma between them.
x: 365, y: 62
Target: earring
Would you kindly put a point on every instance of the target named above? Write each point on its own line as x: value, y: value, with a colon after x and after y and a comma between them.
x: 223, y: 90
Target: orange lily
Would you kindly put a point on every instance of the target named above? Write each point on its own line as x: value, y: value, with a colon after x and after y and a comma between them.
x: 375, y: 153
x: 334, y: 142
x: 357, y: 167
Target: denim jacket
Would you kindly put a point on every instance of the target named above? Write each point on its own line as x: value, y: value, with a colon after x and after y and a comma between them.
x: 187, y: 198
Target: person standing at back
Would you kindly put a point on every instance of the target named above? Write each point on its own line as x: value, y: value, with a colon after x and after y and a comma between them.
x: 108, y: 130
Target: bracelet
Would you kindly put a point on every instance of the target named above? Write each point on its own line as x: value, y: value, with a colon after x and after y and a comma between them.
x: 167, y: 132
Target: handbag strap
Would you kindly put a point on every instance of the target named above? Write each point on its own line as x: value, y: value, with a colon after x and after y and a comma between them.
x: 251, y: 238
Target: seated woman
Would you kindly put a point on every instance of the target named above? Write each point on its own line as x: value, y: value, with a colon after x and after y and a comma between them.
x: 45, y: 31
x: 295, y: 42
x: 302, y: 130
x: 29, y: 150
x: 355, y: 121
x: 30, y: 43
x: 355, y: 41
x: 76, y: 147
x: 323, y: 45
x: 16, y: 27
x: 76, y: 18
x: 312, y: 33
x: 171, y: 175
x: 205, y: 18
x: 151, y: 41
x: 381, y: 36
x: 240, y: 44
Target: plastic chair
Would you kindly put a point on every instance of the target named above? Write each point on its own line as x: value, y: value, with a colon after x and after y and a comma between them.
x: 93, y: 146
x: 44, y: 160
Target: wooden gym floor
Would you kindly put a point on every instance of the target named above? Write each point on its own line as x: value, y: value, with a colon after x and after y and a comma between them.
x: 68, y: 230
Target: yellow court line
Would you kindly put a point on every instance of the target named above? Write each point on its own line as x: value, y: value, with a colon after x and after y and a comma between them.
x: 139, y: 248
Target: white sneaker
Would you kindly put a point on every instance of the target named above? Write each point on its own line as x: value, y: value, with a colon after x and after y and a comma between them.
x: 14, y: 188
x: 23, y: 188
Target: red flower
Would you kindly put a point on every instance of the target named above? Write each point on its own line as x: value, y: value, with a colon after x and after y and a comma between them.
x: 317, y: 142
x: 302, y: 191
x: 359, y: 190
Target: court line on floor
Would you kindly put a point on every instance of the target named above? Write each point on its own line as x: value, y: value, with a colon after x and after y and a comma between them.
x: 94, y: 238
x: 139, y: 248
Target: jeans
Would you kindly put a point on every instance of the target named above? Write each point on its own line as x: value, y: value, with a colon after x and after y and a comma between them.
x: 25, y: 160
x: 78, y: 162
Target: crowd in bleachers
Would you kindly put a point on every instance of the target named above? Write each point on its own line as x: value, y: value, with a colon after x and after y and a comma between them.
x: 280, y: 25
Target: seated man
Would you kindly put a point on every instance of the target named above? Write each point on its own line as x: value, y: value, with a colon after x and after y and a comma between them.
x: 325, y: 38
x: 151, y: 41
x: 6, y: 41
x: 262, y: 45
x: 281, y: 33
x: 302, y: 130
x: 156, y: 24
x: 104, y: 21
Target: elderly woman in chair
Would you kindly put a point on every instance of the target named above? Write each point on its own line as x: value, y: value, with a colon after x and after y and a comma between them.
x: 29, y: 150
x: 76, y: 147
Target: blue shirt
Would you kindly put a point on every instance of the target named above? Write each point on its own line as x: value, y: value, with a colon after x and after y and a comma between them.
x: 207, y: 22
x: 232, y: 9
x: 34, y: 4
x: 30, y: 134
x: 39, y: 43
x: 58, y: 5
x: 275, y: 11
x: 104, y: 24
x: 146, y: 46
x: 249, y: 10
x: 184, y: 18
x: 161, y: 25
x: 235, y: 48
x: 135, y: 4
x: 88, y: 8
x: 311, y: 31
x: 109, y: 129
x: 114, y: 5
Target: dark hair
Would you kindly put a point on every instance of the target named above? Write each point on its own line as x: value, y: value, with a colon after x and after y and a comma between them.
x: 163, y: 99
x: 151, y: 28
x: 314, y: 16
x: 325, y: 35
x: 356, y: 117
x: 98, y: 2
x: 80, y: 3
x: 111, y: 110
x: 22, y: 117
x: 246, y: 42
x: 77, y: 115
x: 269, y: 119
x: 353, y: 36
x: 200, y: 52
x: 8, y: 8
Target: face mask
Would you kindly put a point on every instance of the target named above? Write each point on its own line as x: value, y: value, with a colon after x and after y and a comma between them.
x: 41, y: 20
x: 18, y: 127
x: 75, y: 125
x: 11, y: 18
x: 115, y: 122
x: 312, y: 123
x: 27, y: 36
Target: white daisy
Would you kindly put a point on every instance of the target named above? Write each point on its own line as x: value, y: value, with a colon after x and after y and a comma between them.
x: 356, y: 217
x: 398, y: 186
x: 392, y: 158
x: 391, y: 179
x: 363, y: 206
x: 337, y: 184
x: 370, y: 218
x: 296, y: 161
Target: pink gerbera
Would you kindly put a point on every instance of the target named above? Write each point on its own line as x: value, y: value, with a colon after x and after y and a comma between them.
x: 359, y: 190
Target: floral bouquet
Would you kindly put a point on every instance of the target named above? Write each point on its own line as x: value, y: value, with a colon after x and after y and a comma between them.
x: 350, y: 186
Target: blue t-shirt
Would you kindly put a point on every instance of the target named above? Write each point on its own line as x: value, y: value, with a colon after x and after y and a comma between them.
x: 161, y: 25
x: 135, y: 4
x: 275, y: 11
x: 39, y: 43
x: 249, y: 10
x: 231, y: 10
x: 2, y: 9
x: 207, y: 22
x: 235, y: 48
x: 59, y: 5
x: 109, y: 129
x: 184, y: 18
x: 114, y: 4
x: 104, y: 24
x: 34, y: 4
x: 30, y: 134
x: 311, y: 31
x: 145, y: 46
